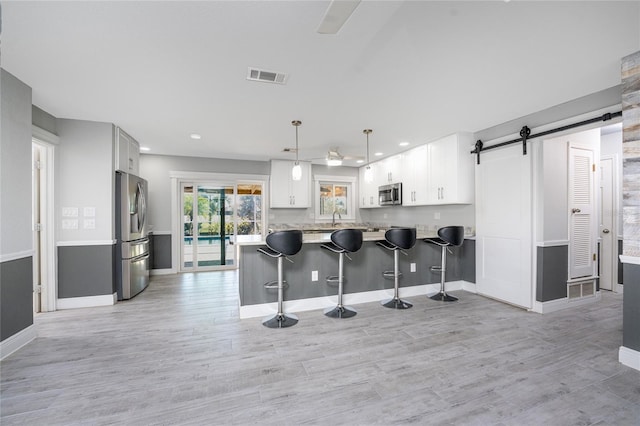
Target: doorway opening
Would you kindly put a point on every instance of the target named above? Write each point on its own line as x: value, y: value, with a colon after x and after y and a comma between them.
x: 42, y: 213
x: 216, y: 215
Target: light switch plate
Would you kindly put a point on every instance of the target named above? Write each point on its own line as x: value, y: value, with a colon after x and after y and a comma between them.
x: 314, y: 275
x: 69, y: 212
x: 89, y: 224
x: 69, y: 223
x: 413, y: 267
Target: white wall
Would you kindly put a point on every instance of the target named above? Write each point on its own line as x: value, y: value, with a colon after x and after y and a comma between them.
x: 85, y: 178
x: 15, y: 166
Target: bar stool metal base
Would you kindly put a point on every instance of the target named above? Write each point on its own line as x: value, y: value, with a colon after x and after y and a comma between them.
x: 280, y: 321
x: 443, y: 297
x: 340, y: 312
x: 396, y: 303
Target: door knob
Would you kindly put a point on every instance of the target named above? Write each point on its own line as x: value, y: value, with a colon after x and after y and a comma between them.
x: 605, y: 231
x: 575, y: 210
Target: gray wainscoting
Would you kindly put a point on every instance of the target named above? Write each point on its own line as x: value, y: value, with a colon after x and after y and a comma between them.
x: 161, y: 251
x: 363, y: 273
x: 552, y: 269
x: 85, y: 271
x: 16, y: 296
x: 631, y: 307
x: 620, y: 268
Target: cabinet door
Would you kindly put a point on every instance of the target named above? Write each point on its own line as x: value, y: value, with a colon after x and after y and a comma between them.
x: 443, y: 170
x: 368, y: 190
x: 279, y: 184
x: 390, y: 170
x: 284, y: 191
x: 134, y: 157
x: 301, y: 189
x: 415, y: 167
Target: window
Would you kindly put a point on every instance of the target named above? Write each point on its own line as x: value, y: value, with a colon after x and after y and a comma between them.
x: 334, y: 194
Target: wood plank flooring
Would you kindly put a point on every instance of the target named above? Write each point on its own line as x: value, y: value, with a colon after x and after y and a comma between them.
x: 177, y: 354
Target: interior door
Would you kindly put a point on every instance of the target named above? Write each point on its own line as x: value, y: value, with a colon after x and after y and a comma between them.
x: 582, y: 244
x: 608, y: 237
x: 504, y: 226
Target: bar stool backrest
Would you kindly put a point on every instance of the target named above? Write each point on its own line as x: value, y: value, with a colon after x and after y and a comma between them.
x: 286, y: 242
x: 453, y: 235
x: 405, y: 238
x: 349, y: 240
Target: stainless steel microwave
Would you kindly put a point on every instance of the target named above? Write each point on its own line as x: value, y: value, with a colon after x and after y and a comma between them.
x: 390, y: 195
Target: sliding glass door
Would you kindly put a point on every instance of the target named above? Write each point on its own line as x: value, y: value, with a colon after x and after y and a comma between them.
x: 214, y: 215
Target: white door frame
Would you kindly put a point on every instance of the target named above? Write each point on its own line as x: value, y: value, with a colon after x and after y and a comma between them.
x: 47, y: 141
x: 614, y: 219
x: 177, y: 177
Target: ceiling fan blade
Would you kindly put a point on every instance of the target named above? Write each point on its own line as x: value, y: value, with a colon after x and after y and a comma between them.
x: 336, y: 15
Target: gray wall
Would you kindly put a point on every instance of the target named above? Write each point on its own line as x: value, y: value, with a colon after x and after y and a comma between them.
x: 85, y: 271
x: 552, y: 266
x: 631, y: 307
x: 464, y: 215
x: 16, y: 276
x: 16, y: 296
x: 44, y: 120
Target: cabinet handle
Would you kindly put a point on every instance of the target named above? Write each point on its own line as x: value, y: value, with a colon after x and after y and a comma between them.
x: 442, y: 192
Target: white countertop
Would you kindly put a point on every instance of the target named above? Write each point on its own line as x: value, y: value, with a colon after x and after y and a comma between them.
x: 317, y: 237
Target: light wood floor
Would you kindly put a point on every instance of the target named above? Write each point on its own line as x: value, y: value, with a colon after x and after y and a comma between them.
x: 178, y: 354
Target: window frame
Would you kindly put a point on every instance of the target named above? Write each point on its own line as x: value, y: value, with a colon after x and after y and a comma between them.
x: 349, y: 182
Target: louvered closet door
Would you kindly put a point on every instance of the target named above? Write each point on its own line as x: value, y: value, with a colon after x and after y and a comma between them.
x: 582, y: 245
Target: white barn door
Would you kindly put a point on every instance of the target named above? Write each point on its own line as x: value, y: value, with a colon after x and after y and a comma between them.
x: 504, y: 230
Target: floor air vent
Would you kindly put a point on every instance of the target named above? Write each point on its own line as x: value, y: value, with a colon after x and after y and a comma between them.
x: 580, y: 289
x: 265, y: 76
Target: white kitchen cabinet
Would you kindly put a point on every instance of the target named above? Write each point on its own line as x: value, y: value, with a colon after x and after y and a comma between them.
x: 127, y: 153
x: 369, y: 190
x: 286, y: 192
x: 451, y: 172
x: 389, y: 170
x: 415, y: 189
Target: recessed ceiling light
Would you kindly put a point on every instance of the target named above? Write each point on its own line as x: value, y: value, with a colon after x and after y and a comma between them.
x: 403, y: 143
x: 360, y: 161
x: 195, y: 136
x: 378, y: 154
x: 145, y: 148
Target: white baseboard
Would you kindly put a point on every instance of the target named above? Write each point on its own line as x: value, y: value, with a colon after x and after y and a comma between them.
x: 87, y: 302
x: 301, y: 305
x: 164, y: 271
x: 629, y: 357
x: 17, y: 341
x: 618, y: 288
x: 564, y: 303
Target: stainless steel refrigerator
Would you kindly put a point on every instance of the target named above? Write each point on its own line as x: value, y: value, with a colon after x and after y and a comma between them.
x: 132, y: 247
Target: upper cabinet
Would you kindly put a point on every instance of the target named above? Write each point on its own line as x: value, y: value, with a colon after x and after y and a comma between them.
x: 127, y: 153
x: 286, y: 192
x: 440, y: 172
x: 415, y: 191
x: 451, y: 172
x: 369, y: 189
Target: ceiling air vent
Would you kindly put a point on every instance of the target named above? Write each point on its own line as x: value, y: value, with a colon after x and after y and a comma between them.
x: 265, y: 76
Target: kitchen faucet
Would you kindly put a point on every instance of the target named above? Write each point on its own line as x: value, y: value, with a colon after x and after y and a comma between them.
x: 333, y: 220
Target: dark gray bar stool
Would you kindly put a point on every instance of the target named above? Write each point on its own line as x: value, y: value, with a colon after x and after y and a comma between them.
x: 449, y: 236
x: 343, y: 241
x: 397, y: 240
x: 281, y: 244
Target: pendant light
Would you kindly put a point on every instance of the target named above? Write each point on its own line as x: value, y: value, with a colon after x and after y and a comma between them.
x: 368, y: 173
x: 296, y: 172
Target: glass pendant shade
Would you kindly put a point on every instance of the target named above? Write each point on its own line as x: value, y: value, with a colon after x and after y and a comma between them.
x: 368, y: 174
x: 296, y: 171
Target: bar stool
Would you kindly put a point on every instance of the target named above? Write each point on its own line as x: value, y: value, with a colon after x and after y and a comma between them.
x: 343, y: 241
x: 281, y: 244
x: 449, y: 236
x: 397, y: 240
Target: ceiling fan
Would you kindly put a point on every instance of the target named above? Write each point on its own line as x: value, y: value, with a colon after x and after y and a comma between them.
x: 336, y: 15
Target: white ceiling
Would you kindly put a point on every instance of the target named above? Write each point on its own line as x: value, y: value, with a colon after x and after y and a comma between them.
x: 412, y: 71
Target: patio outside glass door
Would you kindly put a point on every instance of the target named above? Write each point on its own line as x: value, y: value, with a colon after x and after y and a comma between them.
x: 214, y: 217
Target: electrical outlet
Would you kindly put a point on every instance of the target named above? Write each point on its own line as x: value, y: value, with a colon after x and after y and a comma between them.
x: 413, y: 267
x: 436, y: 215
x: 314, y: 275
x: 385, y: 216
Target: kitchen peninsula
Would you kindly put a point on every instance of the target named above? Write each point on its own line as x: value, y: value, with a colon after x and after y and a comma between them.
x: 306, y: 276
